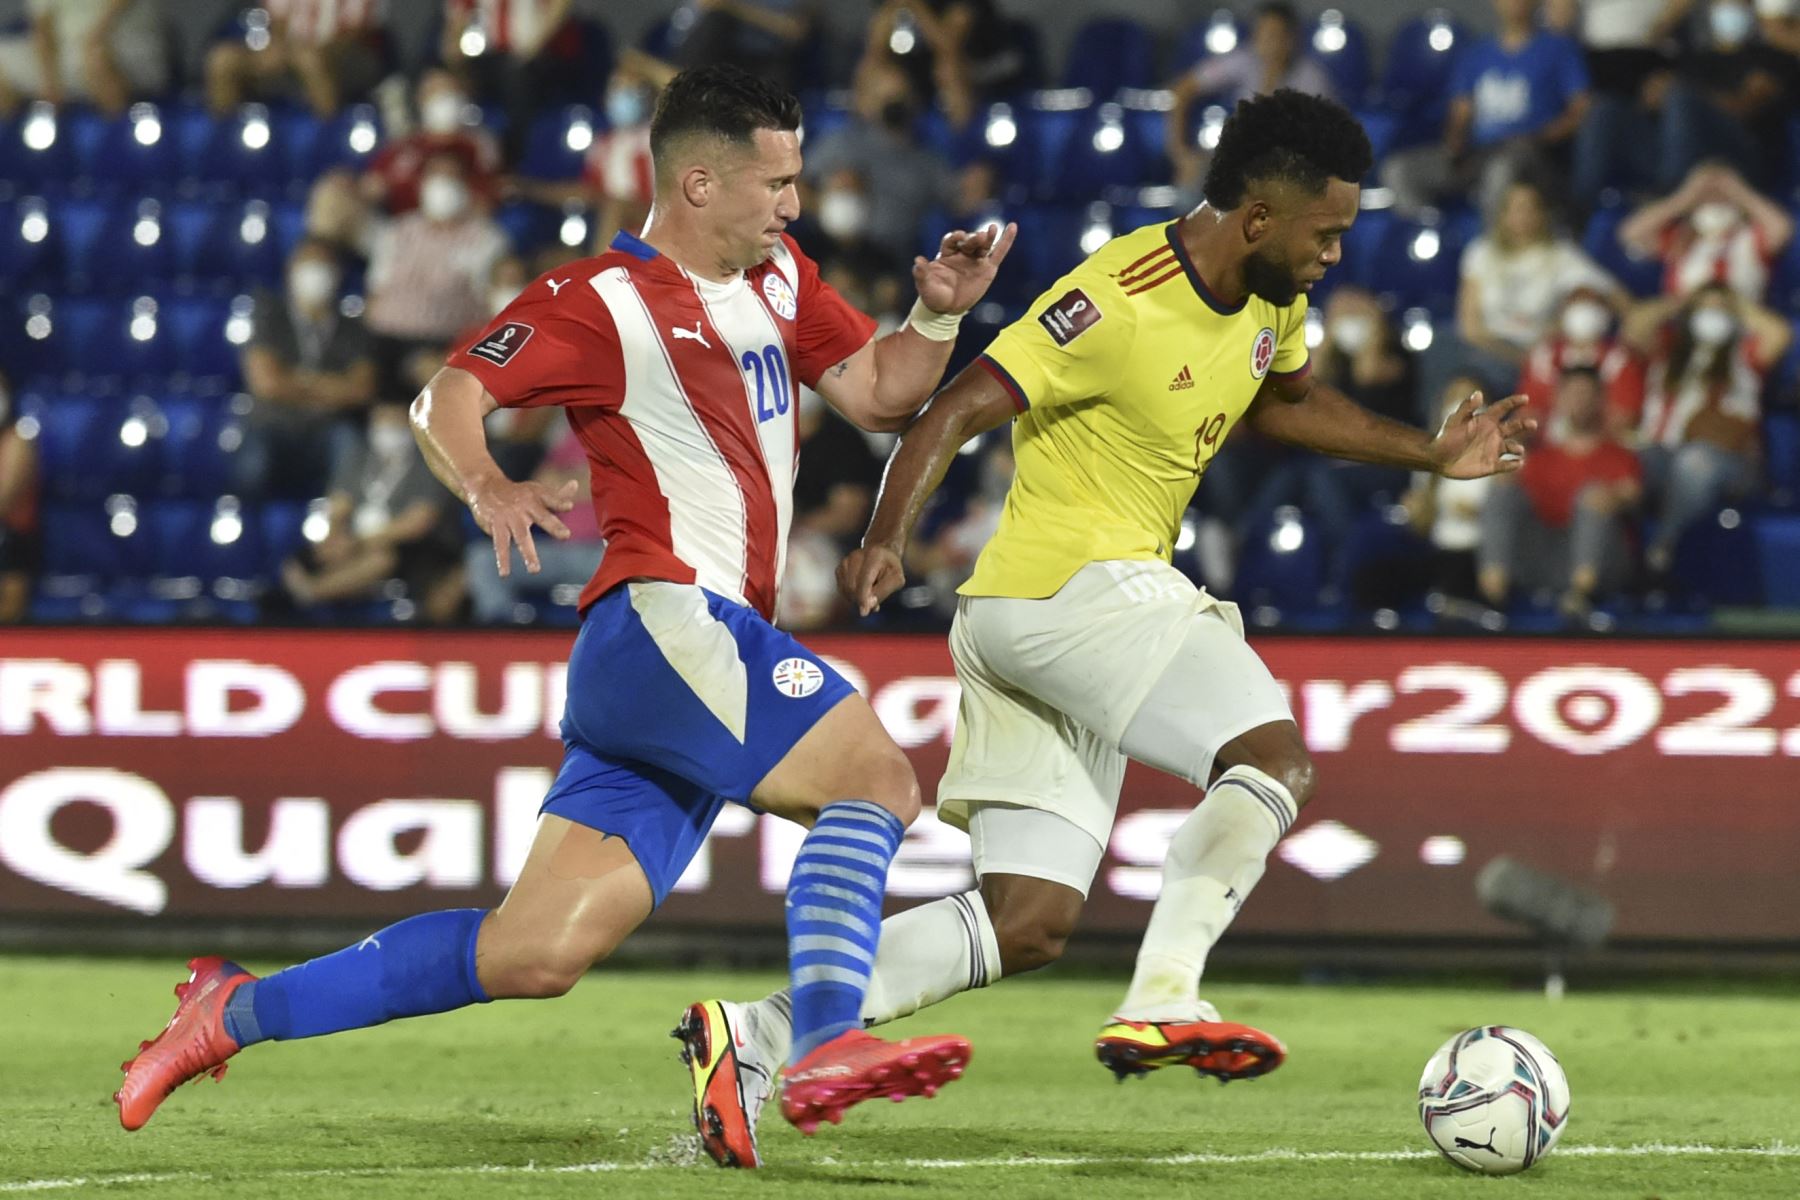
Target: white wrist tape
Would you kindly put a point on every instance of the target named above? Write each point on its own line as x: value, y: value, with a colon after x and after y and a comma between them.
x: 939, y: 327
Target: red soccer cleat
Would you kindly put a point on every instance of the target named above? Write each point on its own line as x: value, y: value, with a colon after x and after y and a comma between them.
x: 857, y: 1066
x: 1224, y: 1050
x: 193, y: 1043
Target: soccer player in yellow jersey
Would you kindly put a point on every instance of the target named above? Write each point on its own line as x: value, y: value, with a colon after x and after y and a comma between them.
x: 1077, y: 644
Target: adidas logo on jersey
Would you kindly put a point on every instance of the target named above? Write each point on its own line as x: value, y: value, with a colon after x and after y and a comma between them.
x: 1182, y: 381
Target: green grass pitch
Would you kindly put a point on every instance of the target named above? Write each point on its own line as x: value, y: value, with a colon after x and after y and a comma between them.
x: 1676, y: 1094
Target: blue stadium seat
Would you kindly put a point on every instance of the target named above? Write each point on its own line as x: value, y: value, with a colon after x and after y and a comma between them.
x: 1342, y: 49
x: 95, y: 540
x: 1416, y: 82
x: 1417, y: 264
x: 1110, y: 53
x: 1050, y: 241
x: 135, y: 253
x: 1717, y: 563
x: 200, y: 333
x: 236, y: 155
x: 282, y: 522
x: 195, y: 459
x: 1781, y: 456
x: 289, y: 219
x: 558, y: 142
x: 1361, y: 247
x: 529, y: 227
x: 1220, y: 33
x: 205, y: 539
x: 1778, y: 544
x: 1283, y: 564
x: 1100, y: 152
x: 301, y: 151
x: 82, y: 228
x: 127, y: 155
x: 30, y: 244
x: 35, y: 157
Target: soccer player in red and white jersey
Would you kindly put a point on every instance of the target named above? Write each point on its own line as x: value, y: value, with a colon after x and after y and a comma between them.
x: 675, y: 355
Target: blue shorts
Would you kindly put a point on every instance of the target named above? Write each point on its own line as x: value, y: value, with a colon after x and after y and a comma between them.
x: 678, y: 701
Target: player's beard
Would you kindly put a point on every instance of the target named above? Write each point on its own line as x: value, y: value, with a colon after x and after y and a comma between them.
x: 1268, y: 279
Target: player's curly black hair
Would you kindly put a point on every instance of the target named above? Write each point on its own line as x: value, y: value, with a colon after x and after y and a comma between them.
x: 723, y: 101
x: 1291, y: 136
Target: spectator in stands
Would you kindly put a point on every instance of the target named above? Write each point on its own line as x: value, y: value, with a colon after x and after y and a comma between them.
x: 20, y: 550
x: 1272, y: 59
x: 1584, y: 337
x: 429, y: 271
x: 1514, y: 279
x: 616, y: 179
x: 1562, y: 523
x: 762, y: 36
x: 565, y: 564
x: 834, y: 492
x: 330, y: 51
x: 107, y: 52
x: 526, y: 55
x: 310, y: 372
x: 1730, y: 99
x: 959, y: 52
x: 1629, y: 60
x: 1715, y: 228
x: 1709, y: 354
x: 1778, y: 21
x: 905, y: 180
x: 345, y: 209
x: 946, y: 558
x: 1517, y: 99
x: 389, y: 519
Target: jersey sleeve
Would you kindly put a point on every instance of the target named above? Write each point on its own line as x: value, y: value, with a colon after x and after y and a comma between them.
x: 1072, y: 344
x: 1292, y: 359
x: 543, y: 349
x: 827, y: 328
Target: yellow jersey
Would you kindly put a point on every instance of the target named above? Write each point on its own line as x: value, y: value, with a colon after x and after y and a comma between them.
x: 1127, y: 374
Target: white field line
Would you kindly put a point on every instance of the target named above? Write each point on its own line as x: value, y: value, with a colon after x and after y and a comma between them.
x: 1644, y: 1150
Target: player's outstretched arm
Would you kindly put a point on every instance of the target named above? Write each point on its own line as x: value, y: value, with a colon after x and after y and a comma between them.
x: 883, y: 385
x: 1477, y: 439
x: 973, y: 404
x: 446, y: 422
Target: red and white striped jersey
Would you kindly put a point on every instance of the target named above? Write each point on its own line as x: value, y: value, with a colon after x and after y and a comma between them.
x: 316, y: 22
x: 683, y: 392
x: 504, y: 23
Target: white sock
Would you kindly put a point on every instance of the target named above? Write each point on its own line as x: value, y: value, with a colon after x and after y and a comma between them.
x: 926, y: 954
x: 1215, y: 858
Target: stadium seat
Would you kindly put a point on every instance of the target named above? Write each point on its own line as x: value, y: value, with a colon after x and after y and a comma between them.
x: 1110, y: 53
x: 1101, y: 151
x: 200, y: 330
x: 347, y: 140
x: 195, y: 457
x: 1778, y: 545
x: 1343, y: 50
x: 1283, y: 564
x: 134, y: 253
x: 300, y: 134
x: 1416, y: 264
x: 94, y: 542
x: 82, y: 228
x: 529, y: 227
x: 30, y: 241
x: 1717, y: 562
x: 1601, y: 242
x: 1220, y: 33
x: 237, y: 155
x: 34, y: 156
x: 1781, y: 456
x: 281, y: 535
x: 558, y: 143
x: 132, y: 154
x: 1415, y: 86
x: 204, y: 540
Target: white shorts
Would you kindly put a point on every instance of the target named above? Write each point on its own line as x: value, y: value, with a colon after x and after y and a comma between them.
x: 1128, y: 659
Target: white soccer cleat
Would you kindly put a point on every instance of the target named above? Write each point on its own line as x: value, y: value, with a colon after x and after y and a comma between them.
x: 734, y: 1074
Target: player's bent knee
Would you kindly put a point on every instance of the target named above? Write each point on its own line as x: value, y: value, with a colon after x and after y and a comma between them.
x: 1031, y: 943
x: 1300, y: 778
x: 888, y: 779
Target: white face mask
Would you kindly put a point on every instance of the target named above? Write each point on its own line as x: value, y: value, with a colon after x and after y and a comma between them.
x: 1712, y: 326
x: 389, y: 441
x: 1731, y: 23
x: 442, y: 113
x: 1585, y: 321
x: 1713, y: 218
x: 843, y: 214
x: 312, y: 284
x: 442, y: 198
x: 1351, y: 332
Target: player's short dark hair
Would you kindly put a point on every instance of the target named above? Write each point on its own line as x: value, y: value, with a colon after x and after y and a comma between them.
x: 722, y: 101
x: 1291, y: 136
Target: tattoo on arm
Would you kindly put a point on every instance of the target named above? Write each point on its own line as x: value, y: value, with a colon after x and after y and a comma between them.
x: 837, y: 372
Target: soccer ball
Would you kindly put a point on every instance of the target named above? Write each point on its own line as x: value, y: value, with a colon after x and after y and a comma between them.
x: 1494, y: 1100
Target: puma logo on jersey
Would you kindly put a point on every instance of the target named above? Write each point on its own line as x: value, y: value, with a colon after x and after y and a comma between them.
x: 557, y: 285
x: 1182, y: 381
x: 692, y: 335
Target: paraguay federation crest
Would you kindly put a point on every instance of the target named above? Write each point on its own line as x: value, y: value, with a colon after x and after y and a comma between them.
x: 797, y: 678
x: 779, y: 295
x: 1262, y: 352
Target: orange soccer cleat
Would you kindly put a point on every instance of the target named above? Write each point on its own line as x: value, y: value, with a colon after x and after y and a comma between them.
x: 1224, y: 1050
x: 193, y: 1043
x: 857, y: 1066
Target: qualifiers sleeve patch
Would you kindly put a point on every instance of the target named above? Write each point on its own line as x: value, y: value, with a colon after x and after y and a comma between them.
x: 1070, y: 317
x: 499, y: 346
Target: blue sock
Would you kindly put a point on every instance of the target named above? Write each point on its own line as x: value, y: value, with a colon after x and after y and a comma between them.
x: 834, y: 917
x: 424, y: 964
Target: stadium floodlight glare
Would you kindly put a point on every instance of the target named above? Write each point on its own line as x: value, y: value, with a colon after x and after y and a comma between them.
x: 902, y: 40
x: 1190, y: 533
x: 1315, y: 328
x: 146, y: 125
x: 40, y: 126
x: 574, y: 229
x: 1221, y: 32
x: 134, y: 431
x: 147, y: 231
x: 1001, y: 128
x: 1110, y: 136
x: 1441, y: 37
x: 1289, y: 534
x: 255, y: 225
x: 227, y: 524
x: 1730, y: 518
x: 317, y: 523
x: 580, y: 135
x: 1095, y: 236
x: 1425, y: 245
x: 34, y: 227
x: 1419, y: 332
x: 362, y: 135
x: 1329, y: 37
x: 143, y: 319
x: 255, y: 133
x: 122, y: 513
x: 1212, y: 124
x: 1564, y: 917
x: 473, y: 42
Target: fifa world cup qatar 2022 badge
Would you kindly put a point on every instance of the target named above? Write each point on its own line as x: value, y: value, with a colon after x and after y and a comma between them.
x: 1262, y: 352
x: 499, y: 346
x: 1070, y: 317
x: 797, y: 678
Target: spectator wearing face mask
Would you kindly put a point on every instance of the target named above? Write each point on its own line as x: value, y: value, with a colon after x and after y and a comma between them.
x: 1715, y: 229
x: 429, y: 271
x: 389, y: 519
x: 21, y: 549
x: 310, y: 371
x: 1730, y: 99
x: 1561, y: 523
x: 1584, y: 339
x: 1709, y: 355
x: 903, y: 179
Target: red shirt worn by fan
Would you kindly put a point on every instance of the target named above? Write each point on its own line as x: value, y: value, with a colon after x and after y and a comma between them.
x: 682, y: 391
x: 1553, y: 476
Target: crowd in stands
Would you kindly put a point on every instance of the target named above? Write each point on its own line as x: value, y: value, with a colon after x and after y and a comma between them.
x: 1590, y: 202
